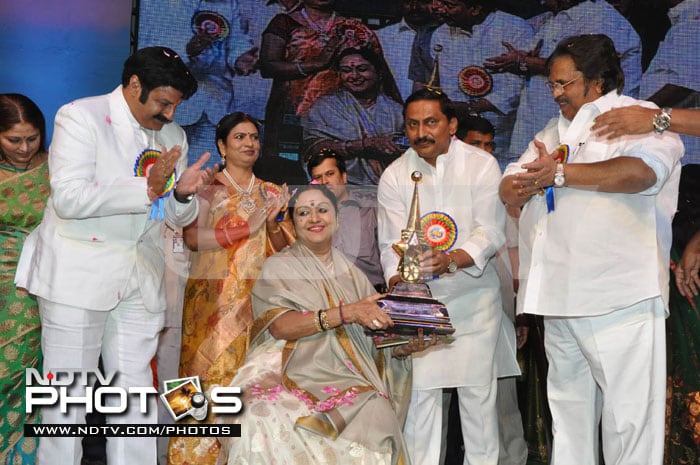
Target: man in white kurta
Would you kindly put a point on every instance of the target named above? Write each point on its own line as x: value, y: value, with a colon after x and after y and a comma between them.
x: 459, y: 187
x: 397, y: 41
x: 596, y: 266
x: 96, y: 261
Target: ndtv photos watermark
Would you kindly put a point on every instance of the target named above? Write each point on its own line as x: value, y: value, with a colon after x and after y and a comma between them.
x: 182, y: 397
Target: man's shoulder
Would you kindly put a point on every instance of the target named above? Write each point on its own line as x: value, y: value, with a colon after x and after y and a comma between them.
x: 89, y: 104
x: 365, y: 196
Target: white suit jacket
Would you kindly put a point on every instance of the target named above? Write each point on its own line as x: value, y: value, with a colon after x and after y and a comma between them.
x: 96, y: 229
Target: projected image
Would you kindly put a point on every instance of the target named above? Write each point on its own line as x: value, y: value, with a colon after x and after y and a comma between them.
x: 279, y: 61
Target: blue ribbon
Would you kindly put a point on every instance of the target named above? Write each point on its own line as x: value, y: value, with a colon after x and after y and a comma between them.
x: 549, y: 195
x: 158, y: 209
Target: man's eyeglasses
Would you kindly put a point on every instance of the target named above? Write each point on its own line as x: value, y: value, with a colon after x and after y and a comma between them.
x: 558, y: 86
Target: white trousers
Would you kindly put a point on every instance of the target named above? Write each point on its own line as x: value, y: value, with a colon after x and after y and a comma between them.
x: 74, y: 338
x: 479, y: 421
x: 513, y: 448
x: 608, y: 370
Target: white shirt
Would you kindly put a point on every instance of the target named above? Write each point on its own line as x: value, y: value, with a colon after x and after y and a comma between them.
x: 397, y: 40
x: 464, y: 185
x: 598, y: 252
x: 677, y: 62
x: 536, y: 104
x: 461, y: 49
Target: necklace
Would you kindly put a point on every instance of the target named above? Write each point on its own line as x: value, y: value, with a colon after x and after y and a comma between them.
x: 321, y: 30
x: 13, y: 168
x: 247, y: 202
x: 327, y: 261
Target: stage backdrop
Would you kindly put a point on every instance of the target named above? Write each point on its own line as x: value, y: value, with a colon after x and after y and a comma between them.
x: 306, y: 106
x: 57, y: 51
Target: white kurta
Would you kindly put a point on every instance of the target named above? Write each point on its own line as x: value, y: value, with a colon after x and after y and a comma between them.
x: 598, y: 252
x: 397, y: 42
x: 464, y: 185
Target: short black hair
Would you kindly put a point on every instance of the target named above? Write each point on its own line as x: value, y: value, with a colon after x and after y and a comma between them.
x: 595, y: 56
x: 18, y: 108
x: 466, y: 123
x: 431, y: 93
x: 159, y: 67
x: 316, y: 158
x: 307, y: 187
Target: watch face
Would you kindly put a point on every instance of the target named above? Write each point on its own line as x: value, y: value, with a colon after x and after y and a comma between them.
x: 558, y: 180
x: 452, y: 267
x: 661, y: 122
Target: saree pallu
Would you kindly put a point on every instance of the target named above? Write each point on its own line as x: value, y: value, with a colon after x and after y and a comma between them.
x: 22, y: 201
x: 683, y: 377
x: 217, y: 309
x: 331, y: 397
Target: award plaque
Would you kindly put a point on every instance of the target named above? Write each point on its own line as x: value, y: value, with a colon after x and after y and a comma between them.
x: 410, y: 304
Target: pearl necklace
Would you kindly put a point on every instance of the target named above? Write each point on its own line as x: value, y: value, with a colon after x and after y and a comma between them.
x: 321, y: 30
x: 247, y: 202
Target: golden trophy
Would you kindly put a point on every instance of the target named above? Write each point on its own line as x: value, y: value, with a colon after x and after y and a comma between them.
x: 410, y: 302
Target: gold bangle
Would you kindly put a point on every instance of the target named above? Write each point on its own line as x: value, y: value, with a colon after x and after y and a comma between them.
x: 323, y: 317
x: 317, y: 321
x: 274, y: 231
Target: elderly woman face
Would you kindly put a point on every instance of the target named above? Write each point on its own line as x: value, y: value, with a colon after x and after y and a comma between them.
x: 315, y: 220
x: 358, y: 75
x: 19, y: 143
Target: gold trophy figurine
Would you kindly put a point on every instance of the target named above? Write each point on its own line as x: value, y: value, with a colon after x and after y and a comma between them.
x: 412, y: 243
x: 410, y: 303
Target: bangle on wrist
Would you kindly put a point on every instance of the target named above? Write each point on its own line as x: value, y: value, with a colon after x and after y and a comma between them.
x: 227, y: 237
x: 340, y: 311
x: 275, y: 230
x: 323, y: 319
x: 317, y: 321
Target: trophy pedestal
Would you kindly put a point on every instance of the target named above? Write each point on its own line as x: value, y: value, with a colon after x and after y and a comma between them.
x: 412, y: 307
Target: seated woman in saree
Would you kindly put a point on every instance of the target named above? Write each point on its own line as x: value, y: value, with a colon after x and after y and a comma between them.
x: 316, y: 390
x: 363, y: 120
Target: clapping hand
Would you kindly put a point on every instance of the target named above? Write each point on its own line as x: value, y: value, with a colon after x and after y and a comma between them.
x: 195, y: 176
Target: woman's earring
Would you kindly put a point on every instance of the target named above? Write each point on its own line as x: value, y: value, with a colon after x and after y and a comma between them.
x: 223, y: 160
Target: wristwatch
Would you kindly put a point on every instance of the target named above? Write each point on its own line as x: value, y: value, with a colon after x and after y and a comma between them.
x: 662, y: 121
x: 452, y: 266
x: 559, y: 179
x: 182, y: 198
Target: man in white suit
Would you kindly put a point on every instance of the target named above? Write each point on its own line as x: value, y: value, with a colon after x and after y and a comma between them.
x: 96, y: 261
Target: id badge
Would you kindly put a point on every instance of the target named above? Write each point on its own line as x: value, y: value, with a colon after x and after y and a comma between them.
x: 178, y: 243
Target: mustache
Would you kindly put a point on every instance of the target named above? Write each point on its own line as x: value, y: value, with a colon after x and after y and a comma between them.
x: 162, y: 119
x: 560, y: 100
x: 423, y: 139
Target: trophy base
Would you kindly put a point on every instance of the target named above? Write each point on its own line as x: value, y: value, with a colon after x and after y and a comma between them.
x: 412, y: 307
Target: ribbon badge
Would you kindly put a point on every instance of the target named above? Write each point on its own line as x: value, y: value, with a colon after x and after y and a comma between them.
x: 439, y: 230
x: 562, y: 157
x: 142, y: 168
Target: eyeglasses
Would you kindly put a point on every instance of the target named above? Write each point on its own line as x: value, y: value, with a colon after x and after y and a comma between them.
x: 552, y: 86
